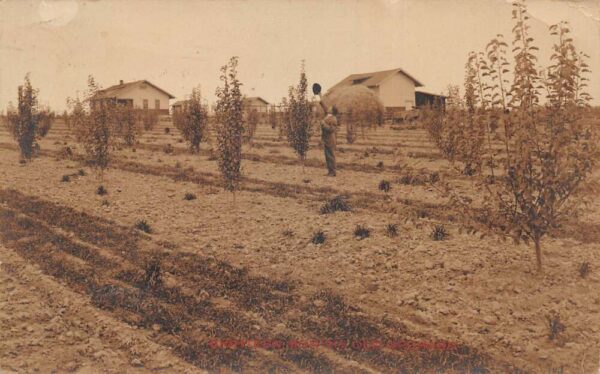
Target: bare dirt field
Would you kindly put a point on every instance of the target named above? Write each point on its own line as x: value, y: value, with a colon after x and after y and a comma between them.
x: 227, y: 287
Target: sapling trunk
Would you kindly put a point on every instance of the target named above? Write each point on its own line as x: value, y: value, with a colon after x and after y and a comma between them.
x: 538, y: 253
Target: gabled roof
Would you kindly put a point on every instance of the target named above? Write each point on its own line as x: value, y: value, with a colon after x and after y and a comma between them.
x: 256, y: 98
x: 373, y: 79
x: 113, y: 90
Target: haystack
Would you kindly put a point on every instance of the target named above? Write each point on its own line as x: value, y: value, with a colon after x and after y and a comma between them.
x: 356, y: 102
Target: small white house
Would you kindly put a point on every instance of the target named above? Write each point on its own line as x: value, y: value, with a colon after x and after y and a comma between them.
x: 255, y: 103
x: 138, y: 94
x: 395, y: 88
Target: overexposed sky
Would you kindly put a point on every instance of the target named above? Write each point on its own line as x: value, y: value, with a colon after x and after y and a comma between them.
x: 179, y: 44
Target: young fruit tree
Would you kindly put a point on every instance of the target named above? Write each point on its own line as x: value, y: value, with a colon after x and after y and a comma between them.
x: 229, y: 126
x: 127, y: 127
x: 251, y: 121
x: 28, y: 123
x: 546, y: 147
x: 94, y: 129
x: 298, y: 117
x: 148, y: 118
x: 192, y: 121
x: 273, y: 117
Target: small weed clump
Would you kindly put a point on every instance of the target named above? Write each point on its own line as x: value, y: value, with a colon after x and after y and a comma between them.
x: 584, y: 269
x: 413, y: 180
x: 168, y: 149
x: 337, y: 204
x: 189, y: 196
x: 81, y: 173
x: 362, y: 232
x: 101, y: 191
x: 380, y: 165
x: 391, y: 230
x: 422, y: 213
x: 167, y: 130
x: 153, y: 279
x: 318, y: 237
x: 385, y: 186
x: 555, y: 326
x: 65, y: 178
x: 439, y: 233
x: 105, y: 203
x: 144, y: 226
x: 288, y: 233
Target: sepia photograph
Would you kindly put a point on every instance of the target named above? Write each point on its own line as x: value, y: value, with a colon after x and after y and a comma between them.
x: 300, y: 186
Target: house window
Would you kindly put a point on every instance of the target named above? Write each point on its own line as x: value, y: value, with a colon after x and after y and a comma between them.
x: 145, y: 104
x: 157, y: 104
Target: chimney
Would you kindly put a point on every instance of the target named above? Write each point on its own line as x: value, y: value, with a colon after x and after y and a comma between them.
x: 121, y: 81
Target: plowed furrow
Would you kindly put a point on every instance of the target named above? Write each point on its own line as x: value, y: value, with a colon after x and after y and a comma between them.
x: 189, y: 323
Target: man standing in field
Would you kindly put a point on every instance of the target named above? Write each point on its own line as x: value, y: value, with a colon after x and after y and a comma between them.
x: 328, y: 131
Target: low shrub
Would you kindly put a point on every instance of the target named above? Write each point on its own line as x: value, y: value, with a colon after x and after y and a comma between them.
x: 65, y: 178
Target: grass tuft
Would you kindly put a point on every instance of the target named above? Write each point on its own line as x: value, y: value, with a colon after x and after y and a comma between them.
x: 391, y: 230
x: 189, y: 196
x: 153, y: 279
x: 319, y: 237
x: 584, y: 269
x: 385, y: 186
x: 439, y: 233
x: 101, y: 191
x: 337, y: 204
x: 144, y: 226
x: 362, y: 232
x: 555, y: 326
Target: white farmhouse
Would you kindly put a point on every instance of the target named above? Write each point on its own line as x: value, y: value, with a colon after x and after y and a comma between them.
x: 395, y: 88
x: 256, y: 103
x: 139, y: 94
